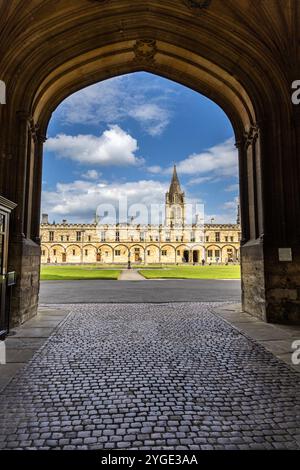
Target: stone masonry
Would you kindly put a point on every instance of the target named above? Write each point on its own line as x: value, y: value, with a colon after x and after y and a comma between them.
x: 150, y: 376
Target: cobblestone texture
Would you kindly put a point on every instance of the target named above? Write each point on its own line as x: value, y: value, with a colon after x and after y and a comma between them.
x: 150, y: 376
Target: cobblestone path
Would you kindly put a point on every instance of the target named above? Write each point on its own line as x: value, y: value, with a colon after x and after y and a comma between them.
x: 150, y: 376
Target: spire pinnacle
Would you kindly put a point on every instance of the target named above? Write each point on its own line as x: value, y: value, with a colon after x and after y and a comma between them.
x: 175, y: 185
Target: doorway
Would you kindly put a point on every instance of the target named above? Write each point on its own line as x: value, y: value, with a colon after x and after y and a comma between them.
x: 195, y: 256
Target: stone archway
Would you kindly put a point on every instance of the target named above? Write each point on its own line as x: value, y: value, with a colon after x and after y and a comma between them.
x: 233, y: 53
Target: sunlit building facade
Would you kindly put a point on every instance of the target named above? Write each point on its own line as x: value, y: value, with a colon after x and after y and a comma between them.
x: 173, y: 242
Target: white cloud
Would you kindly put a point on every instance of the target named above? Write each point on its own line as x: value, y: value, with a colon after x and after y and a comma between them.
x: 116, y: 99
x: 113, y: 147
x: 153, y: 118
x: 78, y: 201
x: 216, y: 162
x: 221, y: 160
x: 91, y: 175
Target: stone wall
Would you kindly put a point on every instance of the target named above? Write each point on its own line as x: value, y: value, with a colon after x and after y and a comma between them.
x: 25, y: 260
x: 253, y: 279
x: 283, y: 287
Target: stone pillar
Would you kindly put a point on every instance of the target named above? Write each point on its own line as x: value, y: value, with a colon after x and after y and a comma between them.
x: 270, y: 223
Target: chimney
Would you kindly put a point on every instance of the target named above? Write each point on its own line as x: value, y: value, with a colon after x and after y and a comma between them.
x: 45, y: 219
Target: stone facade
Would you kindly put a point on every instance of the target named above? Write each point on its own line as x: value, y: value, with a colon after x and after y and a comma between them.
x: 175, y: 242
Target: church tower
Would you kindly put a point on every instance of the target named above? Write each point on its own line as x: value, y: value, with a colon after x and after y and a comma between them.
x: 175, y: 203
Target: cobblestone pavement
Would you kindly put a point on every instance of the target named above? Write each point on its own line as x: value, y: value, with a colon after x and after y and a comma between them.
x: 150, y: 376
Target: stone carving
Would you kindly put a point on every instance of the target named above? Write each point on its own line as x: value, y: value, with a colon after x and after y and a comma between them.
x: 145, y: 50
x: 251, y: 135
x: 197, y: 5
x: 34, y: 128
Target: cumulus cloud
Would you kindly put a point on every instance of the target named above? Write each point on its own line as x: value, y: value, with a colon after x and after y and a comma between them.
x: 216, y: 162
x: 220, y: 160
x: 117, y: 99
x: 113, y: 147
x: 153, y: 117
x: 78, y: 201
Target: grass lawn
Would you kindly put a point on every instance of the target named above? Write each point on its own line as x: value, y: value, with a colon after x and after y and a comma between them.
x: 193, y: 272
x: 61, y: 273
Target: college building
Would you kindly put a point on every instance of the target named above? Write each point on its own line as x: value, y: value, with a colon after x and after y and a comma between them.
x: 173, y: 242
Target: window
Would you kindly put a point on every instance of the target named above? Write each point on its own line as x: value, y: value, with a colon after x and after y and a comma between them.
x: 217, y: 253
x: 207, y: 238
x: 210, y: 253
x: 118, y: 252
x: 193, y: 236
x: 142, y: 236
x: 86, y: 252
x: 178, y: 252
x: 148, y: 252
x: 78, y: 236
x: 164, y: 252
x: 103, y: 236
x: 117, y: 236
x: 226, y: 239
x: 54, y: 252
x: 43, y: 252
x: 232, y: 239
x: 217, y: 234
x: 73, y: 252
x: 51, y: 236
x: 168, y: 237
x: 68, y: 238
x: 61, y: 238
x: 89, y: 238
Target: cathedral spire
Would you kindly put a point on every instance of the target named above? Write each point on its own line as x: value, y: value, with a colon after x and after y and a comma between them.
x: 175, y: 202
x: 175, y: 185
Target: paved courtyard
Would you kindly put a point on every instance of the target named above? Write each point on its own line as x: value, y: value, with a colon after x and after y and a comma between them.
x: 150, y: 376
x: 171, y: 290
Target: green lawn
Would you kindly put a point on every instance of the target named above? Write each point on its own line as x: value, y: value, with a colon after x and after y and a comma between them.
x: 58, y: 273
x: 193, y: 272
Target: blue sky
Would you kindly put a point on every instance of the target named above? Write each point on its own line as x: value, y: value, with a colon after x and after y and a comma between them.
x: 121, y: 137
